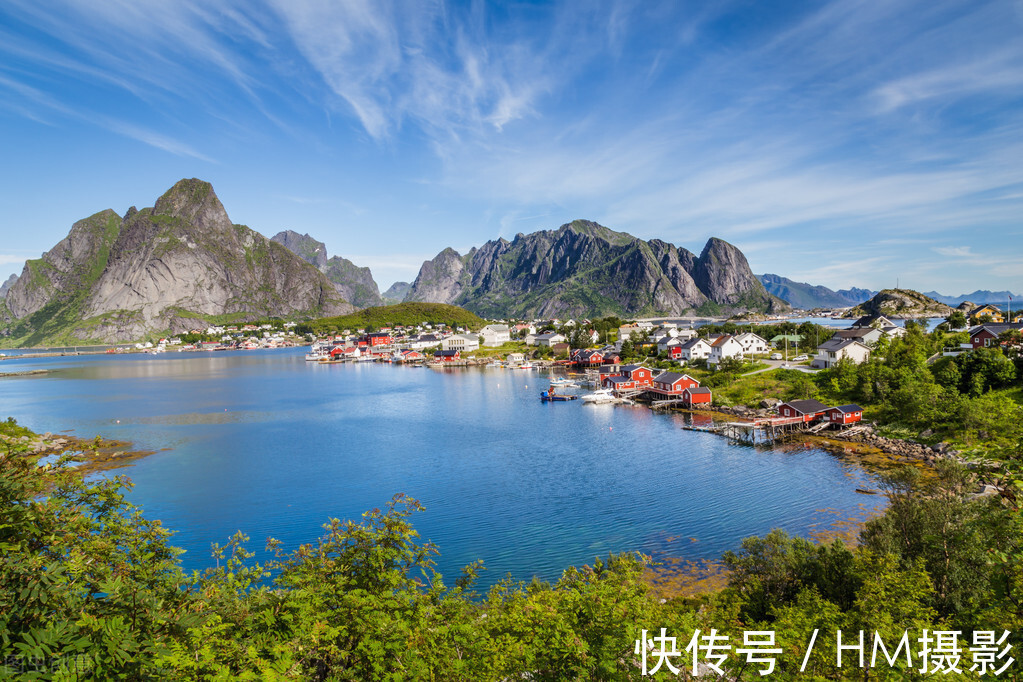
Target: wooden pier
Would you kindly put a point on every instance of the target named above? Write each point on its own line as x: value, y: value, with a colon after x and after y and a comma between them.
x: 762, y: 431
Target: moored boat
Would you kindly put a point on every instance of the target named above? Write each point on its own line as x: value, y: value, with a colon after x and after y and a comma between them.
x: 602, y: 395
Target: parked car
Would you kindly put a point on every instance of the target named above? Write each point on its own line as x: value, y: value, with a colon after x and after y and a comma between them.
x: 800, y: 358
x: 776, y: 356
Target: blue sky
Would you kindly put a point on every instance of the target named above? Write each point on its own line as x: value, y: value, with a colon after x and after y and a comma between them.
x: 841, y: 143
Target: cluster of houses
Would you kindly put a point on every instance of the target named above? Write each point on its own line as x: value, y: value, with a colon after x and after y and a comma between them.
x: 633, y: 380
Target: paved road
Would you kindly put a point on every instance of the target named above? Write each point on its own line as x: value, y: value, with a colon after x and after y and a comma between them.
x: 779, y: 364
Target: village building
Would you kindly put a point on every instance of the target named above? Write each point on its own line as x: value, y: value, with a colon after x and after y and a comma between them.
x: 495, y: 334
x: 549, y: 339
x: 462, y: 342
x: 844, y: 414
x: 640, y: 375
x: 724, y: 346
x: 447, y: 355
x: 783, y: 340
x: 986, y: 335
x: 868, y: 336
x: 695, y: 349
x: 807, y: 410
x: 752, y: 343
x: 833, y: 350
x: 424, y: 341
x: 672, y: 383
x: 879, y: 321
x: 696, y: 396
x: 988, y: 310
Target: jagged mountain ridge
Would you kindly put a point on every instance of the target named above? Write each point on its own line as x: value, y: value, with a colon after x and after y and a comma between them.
x: 809, y: 296
x: 355, y: 284
x: 979, y: 297
x: 586, y: 269
x: 171, y: 267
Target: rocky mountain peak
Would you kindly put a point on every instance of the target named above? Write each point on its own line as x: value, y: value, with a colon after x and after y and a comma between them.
x: 194, y: 202
x: 311, y: 250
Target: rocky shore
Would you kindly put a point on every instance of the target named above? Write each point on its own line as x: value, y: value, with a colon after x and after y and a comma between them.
x: 97, y: 454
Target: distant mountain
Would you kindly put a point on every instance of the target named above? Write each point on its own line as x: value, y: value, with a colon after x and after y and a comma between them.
x: 586, y: 269
x: 176, y: 266
x: 900, y: 303
x: 355, y: 284
x: 979, y: 297
x: 808, y: 296
x: 396, y: 292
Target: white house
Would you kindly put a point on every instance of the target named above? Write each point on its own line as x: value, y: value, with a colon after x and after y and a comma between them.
x: 495, y: 334
x: 666, y: 342
x: 424, y: 341
x: 695, y: 349
x: 724, y: 346
x: 549, y: 339
x: 461, y: 342
x: 835, y: 349
x: 752, y: 343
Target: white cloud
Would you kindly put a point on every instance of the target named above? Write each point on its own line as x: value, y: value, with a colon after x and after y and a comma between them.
x: 955, y: 251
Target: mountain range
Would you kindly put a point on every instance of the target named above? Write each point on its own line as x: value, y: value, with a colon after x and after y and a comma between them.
x: 586, y: 269
x: 179, y: 265
x: 808, y: 296
x: 182, y: 264
x: 356, y: 285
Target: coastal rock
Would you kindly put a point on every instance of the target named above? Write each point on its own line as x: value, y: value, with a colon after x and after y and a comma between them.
x: 900, y: 303
x: 584, y: 269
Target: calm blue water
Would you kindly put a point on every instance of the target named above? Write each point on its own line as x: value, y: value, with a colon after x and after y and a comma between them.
x: 264, y: 442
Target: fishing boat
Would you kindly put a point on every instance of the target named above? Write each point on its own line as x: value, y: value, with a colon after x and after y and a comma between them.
x: 603, y: 395
x: 525, y: 365
x: 551, y: 395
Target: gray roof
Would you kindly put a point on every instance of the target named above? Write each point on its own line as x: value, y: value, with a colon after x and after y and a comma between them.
x: 836, y: 344
x: 670, y: 377
x: 807, y: 406
x: 848, y: 408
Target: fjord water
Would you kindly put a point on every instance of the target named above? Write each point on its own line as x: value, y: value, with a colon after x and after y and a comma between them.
x: 263, y: 442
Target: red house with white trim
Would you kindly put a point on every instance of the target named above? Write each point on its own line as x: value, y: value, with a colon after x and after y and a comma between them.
x: 640, y: 375
x: 696, y: 396
x: 808, y: 410
x: 447, y: 355
x: 844, y: 414
x: 673, y: 383
x: 606, y: 372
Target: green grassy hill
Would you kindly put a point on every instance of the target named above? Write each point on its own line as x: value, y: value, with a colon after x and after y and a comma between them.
x: 401, y: 314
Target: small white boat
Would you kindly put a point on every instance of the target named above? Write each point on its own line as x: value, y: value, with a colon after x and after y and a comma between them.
x: 603, y: 395
x: 525, y: 365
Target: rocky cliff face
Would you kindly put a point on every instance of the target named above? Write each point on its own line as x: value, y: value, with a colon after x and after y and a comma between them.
x: 587, y: 269
x: 356, y: 285
x: 311, y: 251
x: 7, y: 285
x: 173, y: 267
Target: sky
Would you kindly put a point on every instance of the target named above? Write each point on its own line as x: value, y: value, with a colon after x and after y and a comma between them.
x: 846, y: 143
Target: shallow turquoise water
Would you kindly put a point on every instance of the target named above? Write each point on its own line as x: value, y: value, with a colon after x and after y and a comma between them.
x: 264, y: 442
